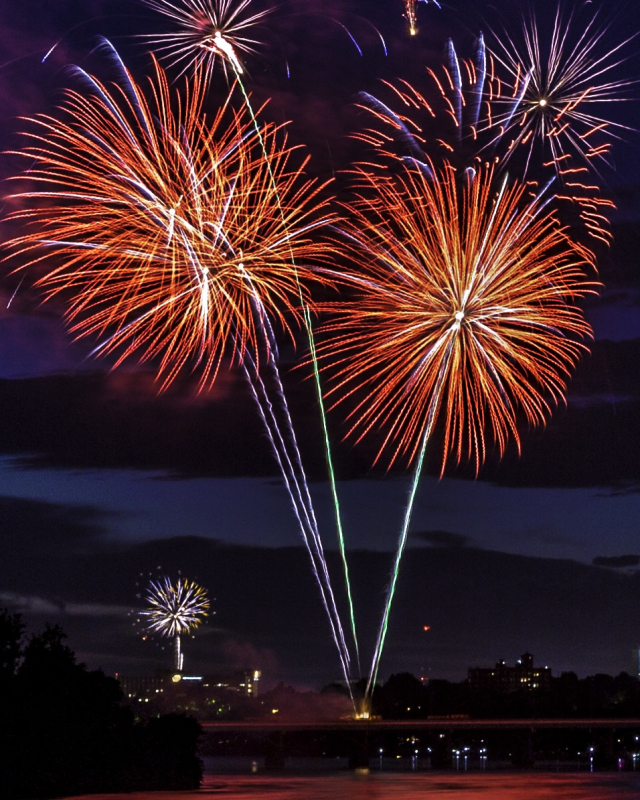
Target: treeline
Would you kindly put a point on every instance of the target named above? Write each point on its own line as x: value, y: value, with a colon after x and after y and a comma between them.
x: 403, y: 696
x: 64, y: 729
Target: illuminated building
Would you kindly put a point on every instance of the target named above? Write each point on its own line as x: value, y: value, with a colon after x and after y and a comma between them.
x: 244, y: 682
x: 142, y: 686
x: 171, y: 690
x: 505, y: 679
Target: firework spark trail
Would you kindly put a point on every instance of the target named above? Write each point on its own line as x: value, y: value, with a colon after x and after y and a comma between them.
x: 293, y: 478
x: 197, y: 22
x: 270, y: 422
x: 332, y: 483
x: 454, y: 66
x: 410, y: 8
x: 464, y: 315
x: 411, y: 13
x: 167, y: 233
x: 480, y: 78
x: 174, y: 609
x: 404, y: 531
x: 300, y: 468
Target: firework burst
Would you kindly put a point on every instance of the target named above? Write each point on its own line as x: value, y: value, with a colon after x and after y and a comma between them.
x: 465, y: 116
x: 559, y: 91
x: 169, y: 234
x: 465, y: 309
x: 464, y: 313
x: 174, y: 609
x: 206, y: 31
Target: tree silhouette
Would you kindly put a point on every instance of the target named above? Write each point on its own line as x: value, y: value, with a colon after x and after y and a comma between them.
x: 64, y: 729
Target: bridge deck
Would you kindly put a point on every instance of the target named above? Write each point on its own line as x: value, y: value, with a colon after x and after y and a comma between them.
x: 260, y: 726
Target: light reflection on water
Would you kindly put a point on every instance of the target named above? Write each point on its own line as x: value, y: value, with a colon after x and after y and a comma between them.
x: 385, y: 786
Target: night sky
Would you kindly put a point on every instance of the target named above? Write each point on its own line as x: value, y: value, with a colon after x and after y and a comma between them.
x: 104, y: 479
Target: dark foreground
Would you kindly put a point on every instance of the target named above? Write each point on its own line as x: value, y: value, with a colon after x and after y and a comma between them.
x: 388, y: 786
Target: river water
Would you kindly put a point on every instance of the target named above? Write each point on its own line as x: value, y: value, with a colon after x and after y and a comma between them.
x: 390, y: 786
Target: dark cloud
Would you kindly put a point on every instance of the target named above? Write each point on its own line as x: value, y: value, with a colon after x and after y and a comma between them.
x: 592, y: 441
x: 47, y: 529
x: 442, y: 538
x: 119, y: 421
x: 617, y: 561
x: 585, y: 445
x: 480, y: 606
x: 41, y: 606
x: 42, y: 546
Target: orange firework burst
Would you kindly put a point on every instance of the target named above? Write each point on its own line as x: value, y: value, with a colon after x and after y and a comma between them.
x: 464, y: 310
x: 173, y: 236
x: 205, y: 30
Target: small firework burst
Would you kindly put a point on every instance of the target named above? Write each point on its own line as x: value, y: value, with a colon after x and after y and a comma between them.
x: 174, y: 609
x: 561, y: 85
x: 205, y: 31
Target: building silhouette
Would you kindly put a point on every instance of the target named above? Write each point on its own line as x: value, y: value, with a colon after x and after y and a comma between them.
x: 524, y: 675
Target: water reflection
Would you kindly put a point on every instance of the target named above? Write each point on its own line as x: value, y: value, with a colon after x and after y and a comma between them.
x: 377, y: 786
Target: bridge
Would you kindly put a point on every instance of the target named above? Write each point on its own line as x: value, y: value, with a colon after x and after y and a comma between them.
x: 414, y: 725
x: 361, y: 740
